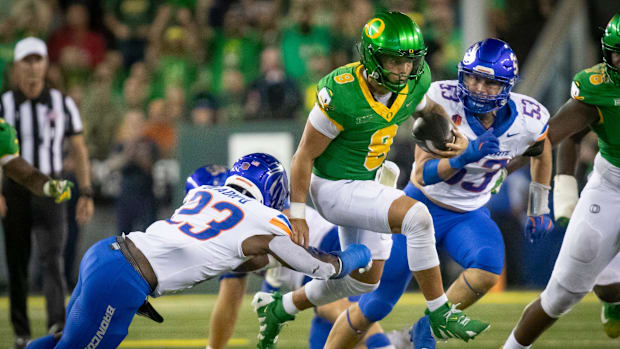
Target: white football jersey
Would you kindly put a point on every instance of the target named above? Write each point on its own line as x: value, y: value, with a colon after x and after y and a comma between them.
x: 471, y: 187
x: 203, y: 237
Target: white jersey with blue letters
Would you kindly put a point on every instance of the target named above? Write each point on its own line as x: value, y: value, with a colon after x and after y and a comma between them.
x: 203, y: 237
x: 470, y: 188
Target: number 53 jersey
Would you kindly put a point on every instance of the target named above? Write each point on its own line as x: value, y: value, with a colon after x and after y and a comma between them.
x: 203, y: 237
x: 518, y: 125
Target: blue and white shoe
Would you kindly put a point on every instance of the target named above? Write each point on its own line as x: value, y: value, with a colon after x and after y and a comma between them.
x: 356, y: 256
x: 421, y: 334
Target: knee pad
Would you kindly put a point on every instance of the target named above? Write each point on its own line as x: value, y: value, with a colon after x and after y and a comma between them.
x: 418, y: 228
x: 556, y: 300
x: 321, y: 292
x: 375, y: 308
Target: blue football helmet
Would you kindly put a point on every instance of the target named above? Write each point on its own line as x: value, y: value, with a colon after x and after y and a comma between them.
x: 206, y: 175
x: 492, y: 59
x: 262, y: 176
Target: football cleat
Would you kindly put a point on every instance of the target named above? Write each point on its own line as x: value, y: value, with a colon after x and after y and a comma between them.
x: 271, y: 318
x: 610, y: 317
x: 449, y: 322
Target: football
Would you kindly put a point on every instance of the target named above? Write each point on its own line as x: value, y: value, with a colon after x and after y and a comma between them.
x: 431, y: 132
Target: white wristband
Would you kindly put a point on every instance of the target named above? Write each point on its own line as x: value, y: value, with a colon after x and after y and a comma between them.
x: 298, y: 210
x: 538, y: 201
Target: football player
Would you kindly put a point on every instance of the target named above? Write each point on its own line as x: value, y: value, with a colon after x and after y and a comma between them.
x: 23, y: 173
x: 589, y: 258
x: 345, y: 142
x: 216, y: 230
x: 500, y: 125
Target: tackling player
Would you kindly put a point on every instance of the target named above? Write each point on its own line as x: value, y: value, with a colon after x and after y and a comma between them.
x: 588, y: 258
x: 23, y: 173
x: 345, y: 141
x: 500, y: 125
x: 218, y: 229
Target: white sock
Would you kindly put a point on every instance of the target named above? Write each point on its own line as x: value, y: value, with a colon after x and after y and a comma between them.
x: 287, y: 303
x: 511, y: 343
x: 437, y: 302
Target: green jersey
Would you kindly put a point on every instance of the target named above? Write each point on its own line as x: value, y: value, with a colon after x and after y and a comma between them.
x: 9, y: 146
x: 592, y: 86
x: 367, y: 127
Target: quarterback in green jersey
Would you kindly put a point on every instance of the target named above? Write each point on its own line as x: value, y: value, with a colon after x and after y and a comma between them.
x: 345, y: 142
x: 23, y: 173
x: 590, y: 254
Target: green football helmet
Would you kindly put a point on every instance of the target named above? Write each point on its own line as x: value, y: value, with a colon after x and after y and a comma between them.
x: 393, y: 34
x: 611, y: 43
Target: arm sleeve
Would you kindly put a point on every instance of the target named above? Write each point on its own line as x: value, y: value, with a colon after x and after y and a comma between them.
x: 300, y: 259
x: 322, y: 123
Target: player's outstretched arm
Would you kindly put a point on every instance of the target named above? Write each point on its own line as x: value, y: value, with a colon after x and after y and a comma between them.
x: 312, y: 262
x: 38, y: 183
x: 312, y: 144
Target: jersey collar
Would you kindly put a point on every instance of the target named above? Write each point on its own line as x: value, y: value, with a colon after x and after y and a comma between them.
x: 378, y: 107
x: 504, y: 118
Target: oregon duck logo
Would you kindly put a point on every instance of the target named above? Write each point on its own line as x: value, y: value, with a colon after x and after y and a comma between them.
x: 374, y: 28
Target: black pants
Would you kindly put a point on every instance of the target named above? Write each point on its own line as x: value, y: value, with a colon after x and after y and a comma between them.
x: 29, y: 215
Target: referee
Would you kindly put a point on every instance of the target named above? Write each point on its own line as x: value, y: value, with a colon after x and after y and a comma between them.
x: 43, y: 118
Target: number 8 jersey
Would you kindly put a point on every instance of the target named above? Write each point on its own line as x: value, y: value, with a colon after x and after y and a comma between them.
x: 203, y: 238
x: 520, y: 124
x: 362, y: 129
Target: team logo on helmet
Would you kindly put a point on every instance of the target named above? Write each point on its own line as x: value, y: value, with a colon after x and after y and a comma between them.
x: 245, y: 166
x: 470, y: 55
x: 374, y: 28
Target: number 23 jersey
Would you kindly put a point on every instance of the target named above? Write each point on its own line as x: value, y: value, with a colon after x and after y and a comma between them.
x: 203, y: 237
x: 520, y: 124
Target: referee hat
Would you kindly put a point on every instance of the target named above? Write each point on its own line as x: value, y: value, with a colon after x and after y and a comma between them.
x: 29, y: 46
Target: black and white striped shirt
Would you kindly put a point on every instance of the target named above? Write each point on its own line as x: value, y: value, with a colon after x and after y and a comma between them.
x: 41, y: 126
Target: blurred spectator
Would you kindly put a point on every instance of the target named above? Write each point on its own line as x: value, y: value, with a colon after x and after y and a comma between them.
x: 273, y: 95
x: 174, y: 49
x: 204, y: 112
x: 137, y: 86
x: 134, y: 156
x: 74, y: 47
x: 303, y: 38
x: 129, y: 21
x: 102, y: 113
x: 443, y: 38
x: 160, y: 128
x: 232, y: 97
x: 349, y: 17
x: 263, y: 16
x: 175, y: 103
x: 234, y: 48
x: 25, y: 18
x: 31, y: 18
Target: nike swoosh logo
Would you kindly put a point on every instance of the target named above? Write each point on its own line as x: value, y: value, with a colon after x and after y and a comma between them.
x: 315, y: 269
x: 604, y: 318
x: 510, y: 135
x: 408, y: 104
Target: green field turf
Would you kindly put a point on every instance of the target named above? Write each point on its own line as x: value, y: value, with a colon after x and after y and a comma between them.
x: 186, y: 319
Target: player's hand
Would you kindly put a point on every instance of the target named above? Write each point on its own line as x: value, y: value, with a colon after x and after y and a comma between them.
x: 537, y: 227
x: 455, y: 148
x: 60, y: 190
x: 503, y: 173
x: 84, y: 209
x: 300, y: 232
